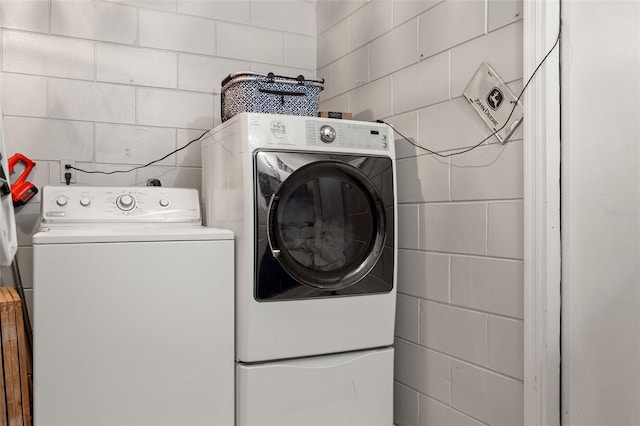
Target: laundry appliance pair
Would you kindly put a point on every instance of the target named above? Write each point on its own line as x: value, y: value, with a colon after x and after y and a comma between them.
x: 312, y: 202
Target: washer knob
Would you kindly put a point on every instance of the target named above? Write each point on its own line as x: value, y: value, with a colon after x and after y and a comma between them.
x: 327, y: 134
x: 85, y: 201
x: 61, y: 201
x: 125, y: 202
x: 164, y: 202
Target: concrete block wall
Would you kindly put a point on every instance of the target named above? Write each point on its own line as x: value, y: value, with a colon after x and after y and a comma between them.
x: 459, y: 325
x: 116, y: 84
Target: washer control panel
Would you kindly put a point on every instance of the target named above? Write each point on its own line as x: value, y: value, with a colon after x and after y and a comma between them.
x: 145, y: 204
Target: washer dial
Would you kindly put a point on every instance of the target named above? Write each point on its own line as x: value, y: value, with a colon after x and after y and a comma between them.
x: 125, y: 202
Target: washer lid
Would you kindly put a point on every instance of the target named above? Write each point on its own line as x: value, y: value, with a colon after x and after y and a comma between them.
x: 105, y: 233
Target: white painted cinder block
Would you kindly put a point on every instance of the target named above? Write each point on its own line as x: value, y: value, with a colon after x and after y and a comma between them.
x: 403, y: 10
x: 323, y: 16
x: 166, y: 5
x: 325, y: 73
x: 372, y: 101
x: 506, y: 229
x: 338, y: 103
x: 451, y: 125
x: 506, y: 346
x: 95, y: 20
x: 449, y: 24
x: 28, y: 222
x: 205, y: 73
x: 490, y: 172
x: 223, y: 10
x: 299, y: 51
x: 122, y: 144
x: 47, y: 55
x: 24, y: 95
x: 350, y: 71
x: 490, y: 285
x: 408, y: 225
x: 394, y: 50
x: 502, y: 49
x: 405, y: 405
x: 424, y: 275
x: 407, y: 318
x: 170, y: 108
x: 454, y: 228
x: 116, y: 179
x: 83, y: 100
x: 177, y: 32
x: 503, y: 12
x: 40, y: 138
x: 407, y: 124
x: 455, y: 331
x: 487, y: 396
x: 423, y: 178
x: 132, y: 65
x: 424, y: 370
x: 433, y: 412
x: 370, y: 22
x: 289, y: 16
x: 176, y: 177
x: 342, y: 9
x: 422, y: 84
x: 250, y: 43
x: 28, y: 15
x: 192, y: 155
x: 333, y: 44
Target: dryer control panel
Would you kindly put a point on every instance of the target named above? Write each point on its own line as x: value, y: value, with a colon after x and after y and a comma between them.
x: 148, y: 204
x: 348, y: 134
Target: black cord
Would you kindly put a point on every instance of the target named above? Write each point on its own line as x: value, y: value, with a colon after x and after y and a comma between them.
x: 69, y: 166
x: 515, y: 104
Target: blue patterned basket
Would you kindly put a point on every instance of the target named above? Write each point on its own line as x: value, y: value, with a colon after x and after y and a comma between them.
x: 246, y: 91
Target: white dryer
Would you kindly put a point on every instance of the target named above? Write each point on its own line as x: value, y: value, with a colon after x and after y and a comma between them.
x: 312, y: 204
x: 133, y: 303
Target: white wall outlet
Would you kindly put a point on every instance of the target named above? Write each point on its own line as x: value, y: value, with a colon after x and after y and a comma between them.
x: 64, y: 170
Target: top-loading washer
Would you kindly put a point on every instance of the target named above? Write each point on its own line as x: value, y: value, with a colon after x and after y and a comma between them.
x: 312, y: 203
x: 133, y: 302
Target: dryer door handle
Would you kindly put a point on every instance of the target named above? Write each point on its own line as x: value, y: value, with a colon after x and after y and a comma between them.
x: 271, y: 225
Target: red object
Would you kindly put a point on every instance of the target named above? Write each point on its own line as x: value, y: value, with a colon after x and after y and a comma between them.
x: 21, y: 190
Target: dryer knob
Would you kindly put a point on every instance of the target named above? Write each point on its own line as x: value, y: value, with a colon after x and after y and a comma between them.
x: 327, y: 134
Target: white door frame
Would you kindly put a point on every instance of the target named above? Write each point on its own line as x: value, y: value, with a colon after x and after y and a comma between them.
x: 541, y: 215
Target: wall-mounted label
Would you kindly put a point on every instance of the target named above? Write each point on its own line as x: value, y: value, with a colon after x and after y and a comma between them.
x: 496, y: 104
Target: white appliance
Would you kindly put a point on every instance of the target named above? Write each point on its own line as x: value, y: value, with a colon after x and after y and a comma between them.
x: 312, y: 204
x: 133, y: 304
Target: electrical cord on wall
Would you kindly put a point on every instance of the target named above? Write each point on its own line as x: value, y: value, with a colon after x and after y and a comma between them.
x: 515, y: 103
x: 70, y: 167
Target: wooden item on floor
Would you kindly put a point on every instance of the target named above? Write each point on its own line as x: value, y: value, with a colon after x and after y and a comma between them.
x: 16, y: 390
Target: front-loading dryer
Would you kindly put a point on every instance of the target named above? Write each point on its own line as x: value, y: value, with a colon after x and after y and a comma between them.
x: 312, y: 202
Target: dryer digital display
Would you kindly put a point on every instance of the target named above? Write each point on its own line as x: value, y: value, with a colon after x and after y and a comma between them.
x: 324, y: 225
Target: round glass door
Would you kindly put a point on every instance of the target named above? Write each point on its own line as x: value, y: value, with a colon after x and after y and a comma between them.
x: 326, y: 225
